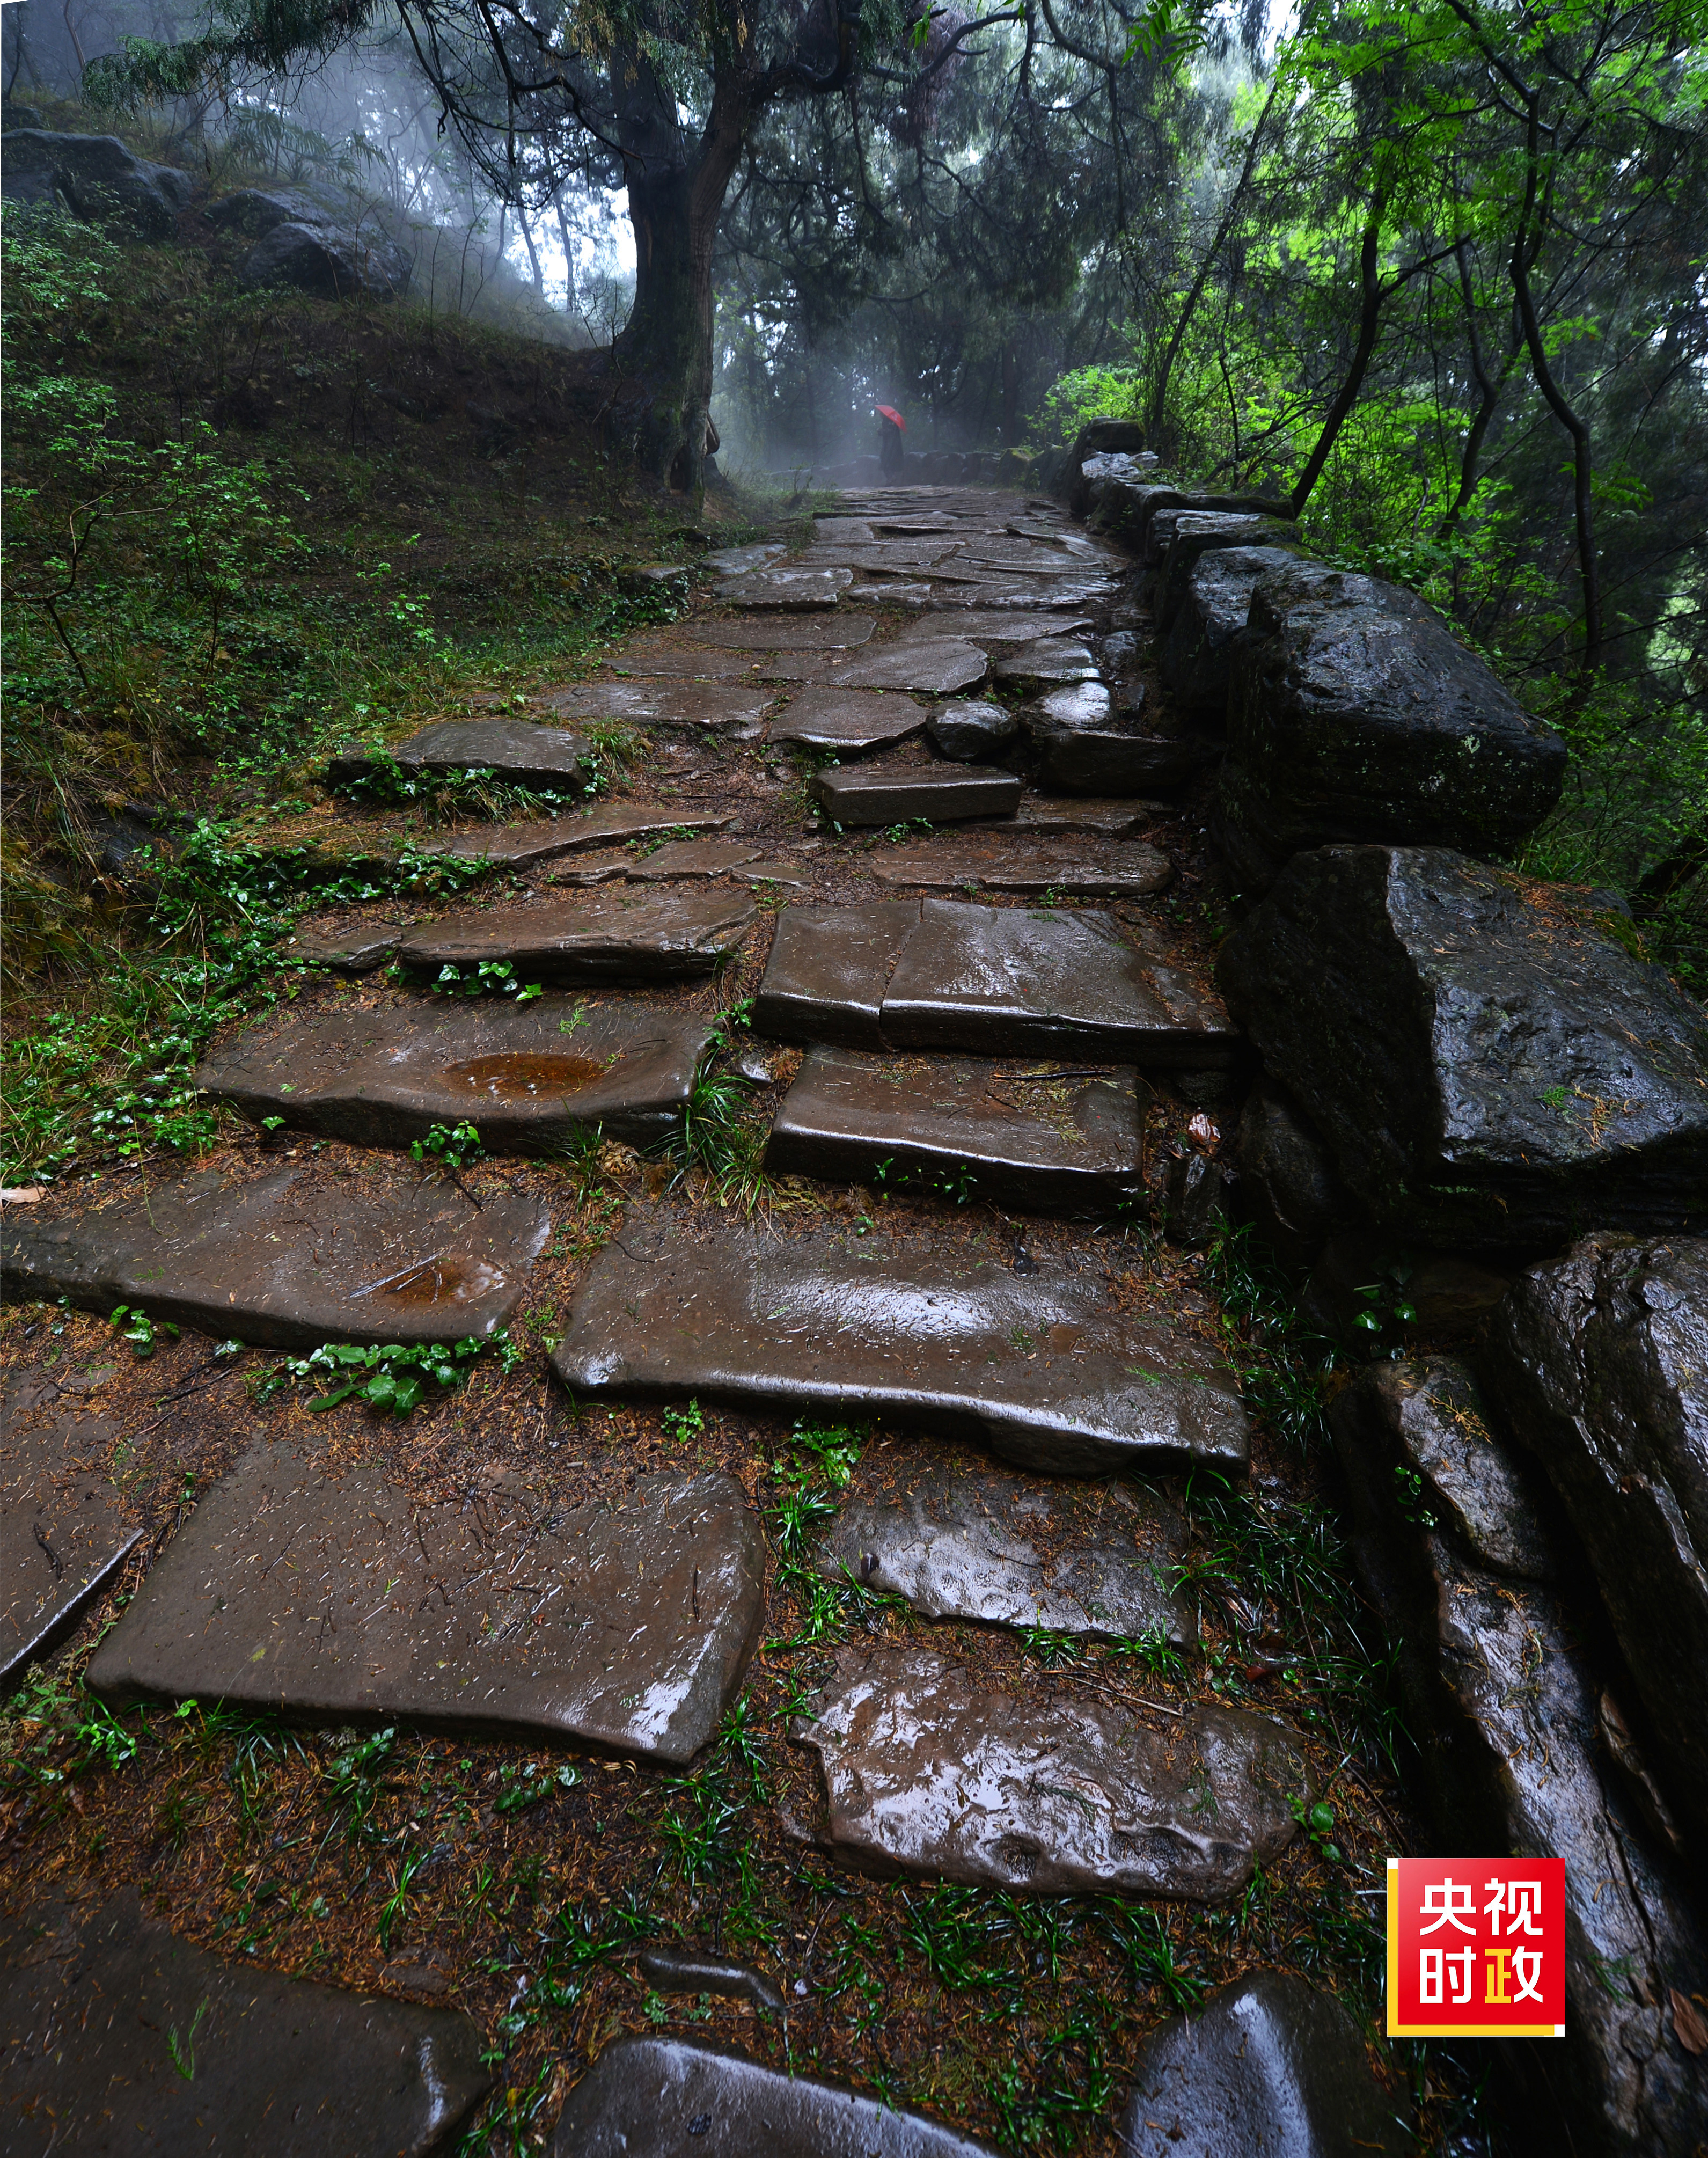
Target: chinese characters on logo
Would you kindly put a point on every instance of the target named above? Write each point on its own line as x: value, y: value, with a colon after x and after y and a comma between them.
x: 1476, y: 1948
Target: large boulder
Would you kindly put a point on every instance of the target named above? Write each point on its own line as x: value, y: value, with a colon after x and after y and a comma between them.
x: 1600, y: 1363
x: 1162, y: 522
x: 98, y: 177
x: 1197, y: 657
x: 1511, y: 1722
x: 337, y: 266
x: 1354, y: 713
x: 1491, y: 1066
x: 1288, y: 1189
x: 1200, y: 532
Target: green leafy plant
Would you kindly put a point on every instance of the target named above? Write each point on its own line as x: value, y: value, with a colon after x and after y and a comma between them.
x: 391, y: 1377
x: 486, y: 977
x: 183, y: 2050
x: 524, y: 1784
x: 454, y: 1145
x: 684, y: 1425
x: 142, y: 1332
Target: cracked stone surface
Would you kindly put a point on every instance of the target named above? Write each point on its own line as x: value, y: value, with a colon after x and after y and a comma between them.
x: 1047, y: 661
x: 998, y: 863
x: 527, y: 1076
x: 652, y: 2094
x: 926, y: 1772
x: 692, y: 858
x: 290, y: 1260
x: 339, y: 1598
x: 1024, y: 1135
x: 513, y: 750
x: 843, y: 632
x: 965, y: 1540
x: 707, y: 705
x: 937, y: 668
x: 281, y: 2065
x: 850, y: 720
x: 950, y: 974
x: 875, y: 794
x: 789, y: 590
x: 647, y: 936
x: 64, y: 1530
x: 1000, y: 628
x: 1043, y: 1368
x: 520, y: 846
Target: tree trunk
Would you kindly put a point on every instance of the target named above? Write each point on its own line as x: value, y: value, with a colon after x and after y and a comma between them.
x: 1370, y: 312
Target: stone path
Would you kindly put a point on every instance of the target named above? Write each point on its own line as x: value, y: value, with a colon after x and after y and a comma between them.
x: 973, y: 1067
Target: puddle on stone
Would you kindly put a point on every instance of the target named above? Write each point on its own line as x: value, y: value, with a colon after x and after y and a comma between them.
x: 520, y: 1077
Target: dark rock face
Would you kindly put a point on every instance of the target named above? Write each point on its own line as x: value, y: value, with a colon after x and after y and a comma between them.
x: 1510, y: 1723
x: 1266, y: 2068
x: 281, y: 2066
x: 259, y: 210
x: 937, y: 670
x: 999, y: 862
x: 965, y: 1540
x: 1086, y: 746
x: 1354, y: 1289
x: 1289, y: 1188
x: 849, y: 720
x: 966, y: 732
x: 1202, y: 532
x: 1197, y: 658
x: 1161, y: 521
x: 947, y: 974
x: 1601, y: 1365
x: 334, y: 1599
x: 938, y: 793
x: 365, y: 262
x: 1414, y: 1437
x: 528, y: 1076
x: 1196, y: 1197
x: 964, y: 1126
x: 99, y: 178
x: 513, y: 750
x: 1354, y: 715
x: 289, y: 1261
x: 643, y: 936
x: 651, y: 2094
x: 925, y: 1772
x: 1492, y: 1068
x: 1098, y: 437
x: 64, y: 1531
x: 841, y: 632
x: 881, y: 1326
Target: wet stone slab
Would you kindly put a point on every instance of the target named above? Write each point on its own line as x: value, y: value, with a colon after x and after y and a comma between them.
x: 928, y: 1772
x: 359, y: 951
x: 290, y: 1259
x: 1037, y: 981
x: 970, y: 732
x: 528, y: 1076
x: 999, y: 864
x: 704, y: 705
x: 1047, y: 661
x: 692, y: 858
x: 63, y: 1533
x: 1025, y: 1135
x: 848, y: 720
x: 790, y: 591
x: 641, y: 662
x: 639, y: 937
x: 897, y: 794
x: 961, y: 1539
x: 624, y: 1623
x: 938, y: 668
x: 1268, y: 2066
x: 841, y: 633
x: 1001, y: 628
x: 520, y: 846
x: 1042, y: 1367
x: 281, y: 2065
x: 512, y: 750
x: 669, y: 2098
x: 1087, y: 816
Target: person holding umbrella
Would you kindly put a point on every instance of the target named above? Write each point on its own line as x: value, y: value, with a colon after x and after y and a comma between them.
x: 892, y: 427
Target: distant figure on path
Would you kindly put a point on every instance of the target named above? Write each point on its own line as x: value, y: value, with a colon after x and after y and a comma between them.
x: 892, y: 427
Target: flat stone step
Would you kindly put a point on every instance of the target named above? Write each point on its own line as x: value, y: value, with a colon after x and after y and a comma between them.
x: 1041, y: 1367
x: 692, y: 858
x: 1028, y: 1136
x: 64, y: 1531
x: 1022, y: 981
x: 972, y: 861
x: 841, y: 632
x: 961, y: 1540
x: 528, y: 1076
x: 358, y: 951
x: 612, y: 824
x: 790, y: 591
x: 937, y: 668
x: 928, y: 1771
x: 640, y: 662
x: 896, y: 794
x: 281, y: 2065
x: 640, y: 937
x: 1086, y: 817
x: 702, y: 707
x: 290, y: 1259
x: 515, y: 750
x: 850, y: 720
x: 1030, y: 595
x: 739, y: 561
x: 1047, y: 661
x: 333, y: 1599
x: 651, y: 2095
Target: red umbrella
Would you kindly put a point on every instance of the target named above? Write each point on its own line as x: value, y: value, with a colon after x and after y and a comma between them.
x: 890, y: 412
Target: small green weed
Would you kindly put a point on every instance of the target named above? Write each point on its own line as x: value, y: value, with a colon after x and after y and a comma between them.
x: 140, y: 1331
x: 455, y: 1145
x: 391, y: 1377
